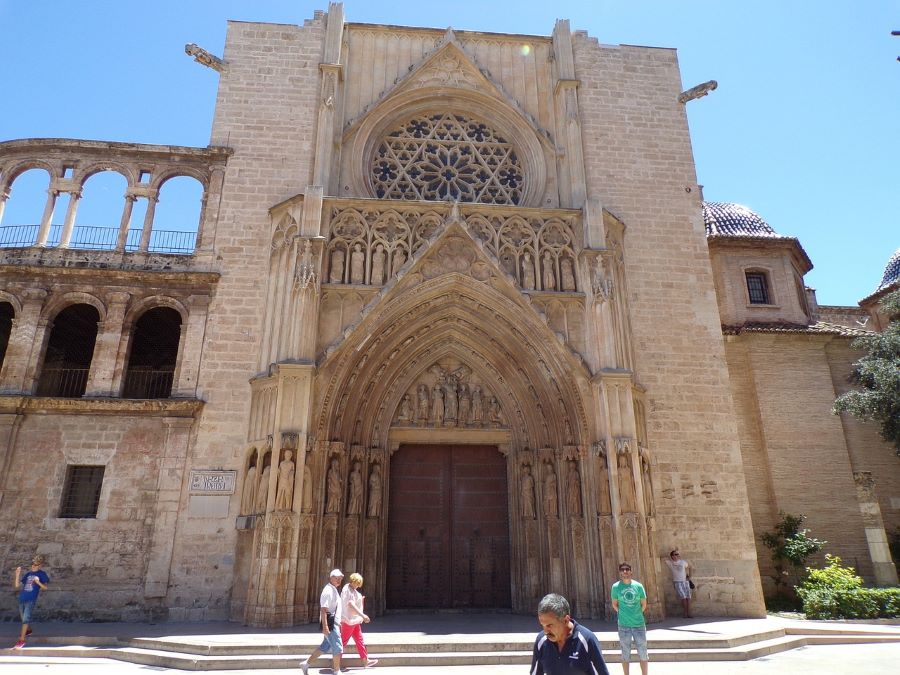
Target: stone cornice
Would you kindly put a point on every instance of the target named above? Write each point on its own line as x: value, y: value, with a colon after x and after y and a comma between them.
x: 161, y: 407
x: 58, y: 274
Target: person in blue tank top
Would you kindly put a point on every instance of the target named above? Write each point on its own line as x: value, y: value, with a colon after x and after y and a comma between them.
x: 32, y: 583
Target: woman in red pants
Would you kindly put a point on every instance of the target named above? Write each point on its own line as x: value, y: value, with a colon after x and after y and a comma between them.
x: 353, y: 617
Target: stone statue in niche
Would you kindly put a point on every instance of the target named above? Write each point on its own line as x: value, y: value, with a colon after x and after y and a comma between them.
x: 568, y: 275
x: 336, y: 275
x: 465, y: 405
x: 284, y: 493
x: 551, y: 508
x: 477, y: 406
x: 573, y: 490
x: 375, y: 492
x: 248, y: 496
x: 405, y: 410
x: 494, y: 411
x: 357, y: 265
x: 646, y: 482
x: 262, y: 492
x: 307, y: 504
x: 527, y: 272
x: 603, y: 487
x: 437, y: 406
x: 423, y: 405
x: 626, y: 484
x: 397, y: 262
x: 333, y: 488
x: 354, y: 501
x: 378, y: 258
x: 549, y: 274
x: 528, y: 493
x: 451, y: 402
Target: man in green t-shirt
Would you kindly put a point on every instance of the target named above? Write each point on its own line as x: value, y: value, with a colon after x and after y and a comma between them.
x: 629, y: 599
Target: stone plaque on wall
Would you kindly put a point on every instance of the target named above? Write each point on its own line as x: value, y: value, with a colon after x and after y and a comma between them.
x: 214, y: 482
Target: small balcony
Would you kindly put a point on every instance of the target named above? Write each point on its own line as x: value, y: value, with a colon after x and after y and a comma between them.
x: 94, y: 238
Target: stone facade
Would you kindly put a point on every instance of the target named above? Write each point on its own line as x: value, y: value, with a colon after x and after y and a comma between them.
x: 410, y: 238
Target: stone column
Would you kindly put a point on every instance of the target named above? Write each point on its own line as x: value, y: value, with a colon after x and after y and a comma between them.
x: 147, y: 229
x: 169, y: 486
x: 4, y: 195
x: 26, y: 330
x: 568, y: 127
x: 876, y: 537
x: 109, y: 336
x: 65, y: 237
x: 47, y: 218
x: 191, y: 348
x: 125, y: 223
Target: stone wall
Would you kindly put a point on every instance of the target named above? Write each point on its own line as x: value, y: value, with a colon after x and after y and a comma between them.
x: 639, y: 165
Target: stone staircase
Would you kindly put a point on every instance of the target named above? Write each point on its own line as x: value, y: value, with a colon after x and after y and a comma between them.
x: 712, y: 641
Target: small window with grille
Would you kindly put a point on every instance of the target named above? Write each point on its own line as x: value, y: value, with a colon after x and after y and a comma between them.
x: 81, y: 493
x: 758, y: 288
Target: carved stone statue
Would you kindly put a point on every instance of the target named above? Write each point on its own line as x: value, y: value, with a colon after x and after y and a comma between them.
x: 549, y: 274
x: 568, y: 275
x: 333, y: 489
x: 405, y: 410
x: 527, y: 272
x: 477, y: 406
x: 423, y: 405
x: 528, y: 493
x: 573, y: 490
x: 603, y: 505
x: 284, y: 493
x: 626, y: 485
x: 646, y: 483
x: 307, y: 503
x: 262, y: 492
x: 494, y: 411
x: 397, y: 262
x: 357, y: 265
x: 248, y: 496
x: 451, y: 402
x: 375, y: 492
x: 354, y: 501
x: 437, y: 406
x: 378, y: 258
x: 551, y: 507
x: 465, y: 405
x: 336, y: 275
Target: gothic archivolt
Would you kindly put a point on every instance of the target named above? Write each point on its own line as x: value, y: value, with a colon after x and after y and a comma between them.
x: 512, y: 358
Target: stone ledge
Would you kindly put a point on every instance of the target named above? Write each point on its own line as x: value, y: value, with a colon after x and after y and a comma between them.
x: 162, y: 407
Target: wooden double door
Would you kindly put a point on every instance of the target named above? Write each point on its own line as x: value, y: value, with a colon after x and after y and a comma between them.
x: 448, y: 528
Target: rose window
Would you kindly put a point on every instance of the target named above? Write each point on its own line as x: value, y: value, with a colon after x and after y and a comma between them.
x: 447, y: 157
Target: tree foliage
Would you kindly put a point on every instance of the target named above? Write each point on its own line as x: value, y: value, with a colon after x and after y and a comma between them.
x: 878, y: 375
x: 790, y: 546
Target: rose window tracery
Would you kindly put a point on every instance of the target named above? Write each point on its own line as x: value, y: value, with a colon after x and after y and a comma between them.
x: 447, y: 157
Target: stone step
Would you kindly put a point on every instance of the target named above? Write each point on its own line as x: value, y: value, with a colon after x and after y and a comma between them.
x: 437, y: 654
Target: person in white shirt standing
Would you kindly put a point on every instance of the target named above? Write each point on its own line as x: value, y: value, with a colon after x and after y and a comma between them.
x: 330, y: 618
x: 681, y: 577
x: 352, y: 618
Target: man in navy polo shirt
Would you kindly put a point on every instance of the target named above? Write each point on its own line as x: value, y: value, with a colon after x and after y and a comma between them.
x: 564, y: 647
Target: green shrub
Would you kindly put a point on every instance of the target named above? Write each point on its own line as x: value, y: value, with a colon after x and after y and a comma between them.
x: 836, y: 592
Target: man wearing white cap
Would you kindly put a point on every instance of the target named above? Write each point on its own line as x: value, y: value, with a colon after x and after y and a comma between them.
x: 330, y: 618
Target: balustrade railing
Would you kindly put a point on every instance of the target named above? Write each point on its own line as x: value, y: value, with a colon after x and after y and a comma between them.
x: 63, y: 382
x: 140, y: 383
x: 90, y: 237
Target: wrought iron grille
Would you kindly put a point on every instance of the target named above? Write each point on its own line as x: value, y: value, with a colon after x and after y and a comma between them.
x: 63, y: 382
x: 141, y: 383
x: 81, y: 494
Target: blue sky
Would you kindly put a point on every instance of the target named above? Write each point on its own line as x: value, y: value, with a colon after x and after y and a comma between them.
x: 803, y: 127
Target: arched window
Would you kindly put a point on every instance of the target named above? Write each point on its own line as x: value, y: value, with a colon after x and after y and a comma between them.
x: 154, y: 351
x: 447, y: 157
x: 7, y: 314
x: 99, y: 211
x: 70, y: 349
x: 22, y: 216
x: 177, y: 216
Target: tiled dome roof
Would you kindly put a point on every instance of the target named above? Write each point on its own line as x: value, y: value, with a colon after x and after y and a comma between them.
x: 891, y: 272
x: 734, y: 220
